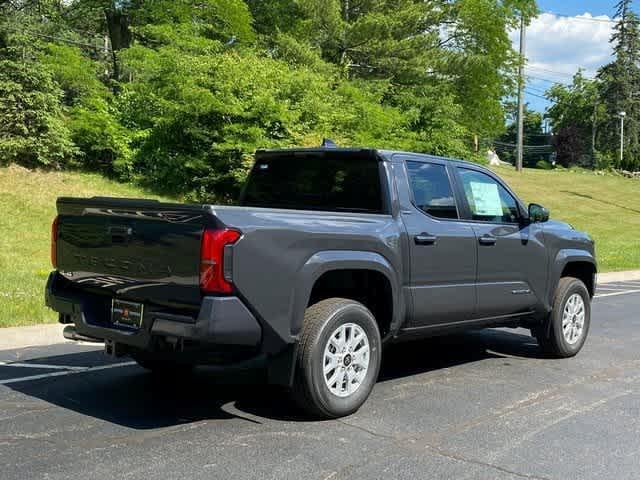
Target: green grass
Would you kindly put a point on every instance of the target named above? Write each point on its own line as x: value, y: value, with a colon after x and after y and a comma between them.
x: 608, y: 207
x: 605, y: 206
x: 27, y: 208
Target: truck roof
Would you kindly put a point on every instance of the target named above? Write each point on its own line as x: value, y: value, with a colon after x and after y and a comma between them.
x: 374, y: 153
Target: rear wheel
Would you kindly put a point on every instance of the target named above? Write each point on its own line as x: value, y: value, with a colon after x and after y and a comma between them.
x: 566, y: 331
x: 338, y: 358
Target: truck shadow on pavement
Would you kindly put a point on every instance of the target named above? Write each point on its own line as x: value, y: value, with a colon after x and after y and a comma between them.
x: 131, y: 397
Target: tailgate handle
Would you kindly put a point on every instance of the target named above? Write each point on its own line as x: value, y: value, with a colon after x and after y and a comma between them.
x: 120, y: 234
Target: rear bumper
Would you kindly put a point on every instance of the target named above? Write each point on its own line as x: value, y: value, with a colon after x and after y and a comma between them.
x: 221, y: 321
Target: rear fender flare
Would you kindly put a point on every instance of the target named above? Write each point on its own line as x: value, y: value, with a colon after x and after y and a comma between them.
x: 330, y: 260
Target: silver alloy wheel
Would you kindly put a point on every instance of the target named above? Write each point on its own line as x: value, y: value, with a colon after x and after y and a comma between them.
x: 573, y: 319
x: 346, y: 359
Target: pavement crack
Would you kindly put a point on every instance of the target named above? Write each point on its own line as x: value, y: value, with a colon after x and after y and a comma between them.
x: 370, y: 432
x: 410, y: 444
x: 473, y: 461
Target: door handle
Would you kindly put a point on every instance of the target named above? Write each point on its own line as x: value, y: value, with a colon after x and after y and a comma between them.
x: 487, y: 240
x: 425, y: 239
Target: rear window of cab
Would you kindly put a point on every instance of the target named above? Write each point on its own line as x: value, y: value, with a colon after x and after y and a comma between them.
x: 328, y: 181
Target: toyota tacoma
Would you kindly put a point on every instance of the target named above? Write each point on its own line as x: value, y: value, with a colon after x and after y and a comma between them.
x: 331, y: 254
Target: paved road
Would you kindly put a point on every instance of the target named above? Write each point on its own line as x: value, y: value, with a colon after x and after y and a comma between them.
x: 478, y: 406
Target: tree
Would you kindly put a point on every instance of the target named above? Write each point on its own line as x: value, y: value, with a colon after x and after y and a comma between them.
x: 202, y: 107
x: 569, y: 145
x: 32, y: 127
x: 575, y: 116
x: 95, y: 130
x: 620, y: 85
x: 274, y: 15
x: 479, y: 58
x: 180, y: 94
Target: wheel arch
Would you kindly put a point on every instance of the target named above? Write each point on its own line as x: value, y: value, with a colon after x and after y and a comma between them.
x: 338, y: 273
x: 574, y: 263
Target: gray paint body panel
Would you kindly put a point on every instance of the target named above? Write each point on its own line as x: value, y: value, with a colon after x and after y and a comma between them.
x: 282, y: 252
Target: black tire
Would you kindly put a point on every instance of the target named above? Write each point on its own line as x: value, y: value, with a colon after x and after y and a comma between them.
x: 161, y: 366
x: 310, y: 390
x: 550, y: 335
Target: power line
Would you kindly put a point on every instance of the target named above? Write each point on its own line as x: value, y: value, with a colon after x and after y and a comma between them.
x: 535, y: 89
x: 527, y: 148
x: 536, y: 95
x: 58, y: 39
x: 564, y: 74
x: 550, y: 81
x: 505, y: 144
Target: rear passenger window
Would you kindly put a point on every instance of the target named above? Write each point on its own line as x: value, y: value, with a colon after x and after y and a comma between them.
x: 432, y: 192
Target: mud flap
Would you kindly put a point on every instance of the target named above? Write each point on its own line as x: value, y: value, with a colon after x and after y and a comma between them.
x: 281, y: 367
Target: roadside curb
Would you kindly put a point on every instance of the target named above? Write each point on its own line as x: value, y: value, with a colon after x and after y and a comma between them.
x: 31, y: 336
x: 613, y: 277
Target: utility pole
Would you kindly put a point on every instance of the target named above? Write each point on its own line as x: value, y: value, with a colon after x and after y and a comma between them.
x: 594, y: 133
x: 521, y: 82
x: 622, y: 115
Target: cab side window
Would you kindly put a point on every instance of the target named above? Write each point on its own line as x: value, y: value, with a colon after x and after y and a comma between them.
x: 488, y: 200
x: 432, y: 192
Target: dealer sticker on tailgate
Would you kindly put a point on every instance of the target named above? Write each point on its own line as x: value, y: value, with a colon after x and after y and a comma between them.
x: 125, y: 313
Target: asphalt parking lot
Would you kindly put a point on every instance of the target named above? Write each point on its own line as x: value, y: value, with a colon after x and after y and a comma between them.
x: 484, y: 405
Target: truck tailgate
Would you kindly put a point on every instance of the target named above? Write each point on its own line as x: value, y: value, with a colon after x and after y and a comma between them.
x: 138, y: 249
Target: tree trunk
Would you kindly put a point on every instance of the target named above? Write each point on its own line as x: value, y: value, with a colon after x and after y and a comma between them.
x: 119, y: 34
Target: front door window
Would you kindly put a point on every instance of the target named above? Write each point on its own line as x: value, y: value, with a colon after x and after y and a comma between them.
x: 488, y: 200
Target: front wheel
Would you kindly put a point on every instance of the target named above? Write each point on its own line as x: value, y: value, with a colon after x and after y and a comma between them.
x: 566, y: 332
x: 338, y: 358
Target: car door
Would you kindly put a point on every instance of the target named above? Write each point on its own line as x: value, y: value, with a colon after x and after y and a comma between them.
x: 442, y: 253
x: 512, y: 260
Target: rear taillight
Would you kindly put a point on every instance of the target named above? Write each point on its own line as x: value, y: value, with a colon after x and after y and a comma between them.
x: 54, y: 243
x: 215, y: 260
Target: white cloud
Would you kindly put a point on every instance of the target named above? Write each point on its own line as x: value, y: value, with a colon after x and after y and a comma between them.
x: 564, y: 44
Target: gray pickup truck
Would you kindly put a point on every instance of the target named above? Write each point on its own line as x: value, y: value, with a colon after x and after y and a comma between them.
x: 331, y: 254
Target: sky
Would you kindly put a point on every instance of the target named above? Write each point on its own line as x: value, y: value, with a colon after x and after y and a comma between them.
x: 567, y: 35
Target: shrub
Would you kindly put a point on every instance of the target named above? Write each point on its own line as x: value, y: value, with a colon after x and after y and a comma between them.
x: 205, y: 115
x: 603, y: 161
x: 32, y: 128
x: 102, y: 141
x: 544, y: 165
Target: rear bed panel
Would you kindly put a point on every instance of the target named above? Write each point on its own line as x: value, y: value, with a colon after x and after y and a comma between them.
x: 276, y: 244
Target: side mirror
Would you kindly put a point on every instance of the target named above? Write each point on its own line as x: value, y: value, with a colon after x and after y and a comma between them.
x: 538, y: 214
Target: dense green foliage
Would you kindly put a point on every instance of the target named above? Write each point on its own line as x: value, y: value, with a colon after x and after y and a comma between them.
x: 32, y: 129
x: 619, y: 86
x: 179, y: 94
x: 586, y: 115
x: 574, y: 117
